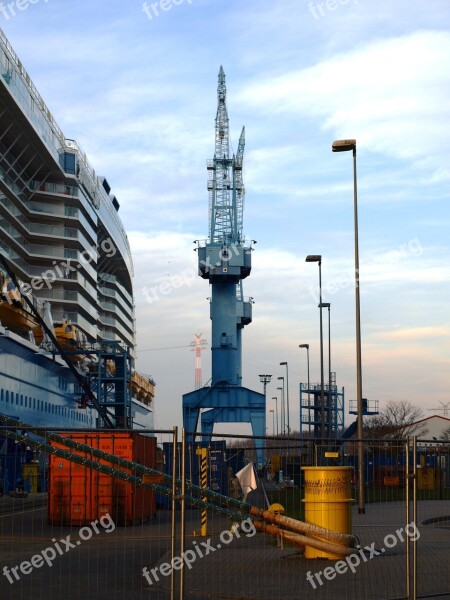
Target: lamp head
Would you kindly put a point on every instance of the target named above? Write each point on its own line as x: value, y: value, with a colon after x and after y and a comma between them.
x: 314, y: 258
x: 343, y: 145
x: 304, y: 346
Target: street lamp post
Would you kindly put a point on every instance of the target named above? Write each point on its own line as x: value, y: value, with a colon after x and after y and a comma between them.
x: 287, y: 396
x: 330, y: 412
x: 309, y: 400
x: 318, y: 259
x: 307, y: 359
x: 276, y: 409
x: 265, y: 379
x: 283, y: 409
x: 273, y: 421
x: 345, y: 146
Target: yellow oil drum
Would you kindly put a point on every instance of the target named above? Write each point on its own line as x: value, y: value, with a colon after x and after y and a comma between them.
x: 328, y: 502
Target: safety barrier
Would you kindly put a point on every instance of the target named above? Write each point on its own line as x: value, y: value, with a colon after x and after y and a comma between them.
x: 203, y: 540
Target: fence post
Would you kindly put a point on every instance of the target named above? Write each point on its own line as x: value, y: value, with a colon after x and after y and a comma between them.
x: 408, y: 558
x: 415, y: 517
x: 183, y: 509
x: 174, y: 508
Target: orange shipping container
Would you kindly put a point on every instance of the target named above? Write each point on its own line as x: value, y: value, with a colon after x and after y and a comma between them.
x: 79, y: 495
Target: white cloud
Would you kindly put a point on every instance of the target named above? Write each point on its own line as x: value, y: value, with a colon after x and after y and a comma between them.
x: 391, y: 94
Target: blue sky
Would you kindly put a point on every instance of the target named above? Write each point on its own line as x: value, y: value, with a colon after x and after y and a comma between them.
x: 139, y: 95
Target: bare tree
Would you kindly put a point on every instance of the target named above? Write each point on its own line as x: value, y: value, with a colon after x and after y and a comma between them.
x: 445, y: 435
x: 397, y: 420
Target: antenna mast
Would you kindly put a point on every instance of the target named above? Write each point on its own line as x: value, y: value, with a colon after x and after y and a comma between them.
x: 198, y: 345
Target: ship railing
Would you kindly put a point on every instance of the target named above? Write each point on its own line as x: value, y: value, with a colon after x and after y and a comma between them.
x: 99, y: 189
x: 38, y: 228
x: 53, y: 188
x: 114, y: 322
x: 51, y: 209
x: 53, y: 128
x: 106, y: 278
x: 59, y: 141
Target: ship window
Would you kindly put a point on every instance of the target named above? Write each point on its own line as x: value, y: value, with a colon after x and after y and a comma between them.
x: 6, y: 396
x: 21, y: 400
x: 67, y: 161
x: 34, y: 403
x: 26, y: 402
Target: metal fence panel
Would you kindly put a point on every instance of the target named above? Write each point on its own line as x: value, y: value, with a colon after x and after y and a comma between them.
x: 219, y: 553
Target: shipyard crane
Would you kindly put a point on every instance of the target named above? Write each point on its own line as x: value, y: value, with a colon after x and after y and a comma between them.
x: 224, y: 260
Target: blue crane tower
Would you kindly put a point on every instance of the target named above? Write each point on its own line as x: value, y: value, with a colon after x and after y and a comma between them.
x: 224, y: 259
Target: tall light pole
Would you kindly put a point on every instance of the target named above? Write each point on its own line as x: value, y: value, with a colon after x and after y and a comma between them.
x: 330, y: 412
x: 318, y: 259
x: 307, y: 359
x: 273, y: 421
x: 287, y: 395
x: 281, y: 410
x: 309, y: 401
x: 283, y: 415
x: 265, y: 379
x: 345, y: 146
x: 276, y: 409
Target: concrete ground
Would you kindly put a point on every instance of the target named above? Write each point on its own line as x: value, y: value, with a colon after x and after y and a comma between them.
x: 108, y: 565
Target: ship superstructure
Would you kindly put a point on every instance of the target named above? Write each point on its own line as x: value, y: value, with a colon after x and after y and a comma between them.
x: 63, y: 239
